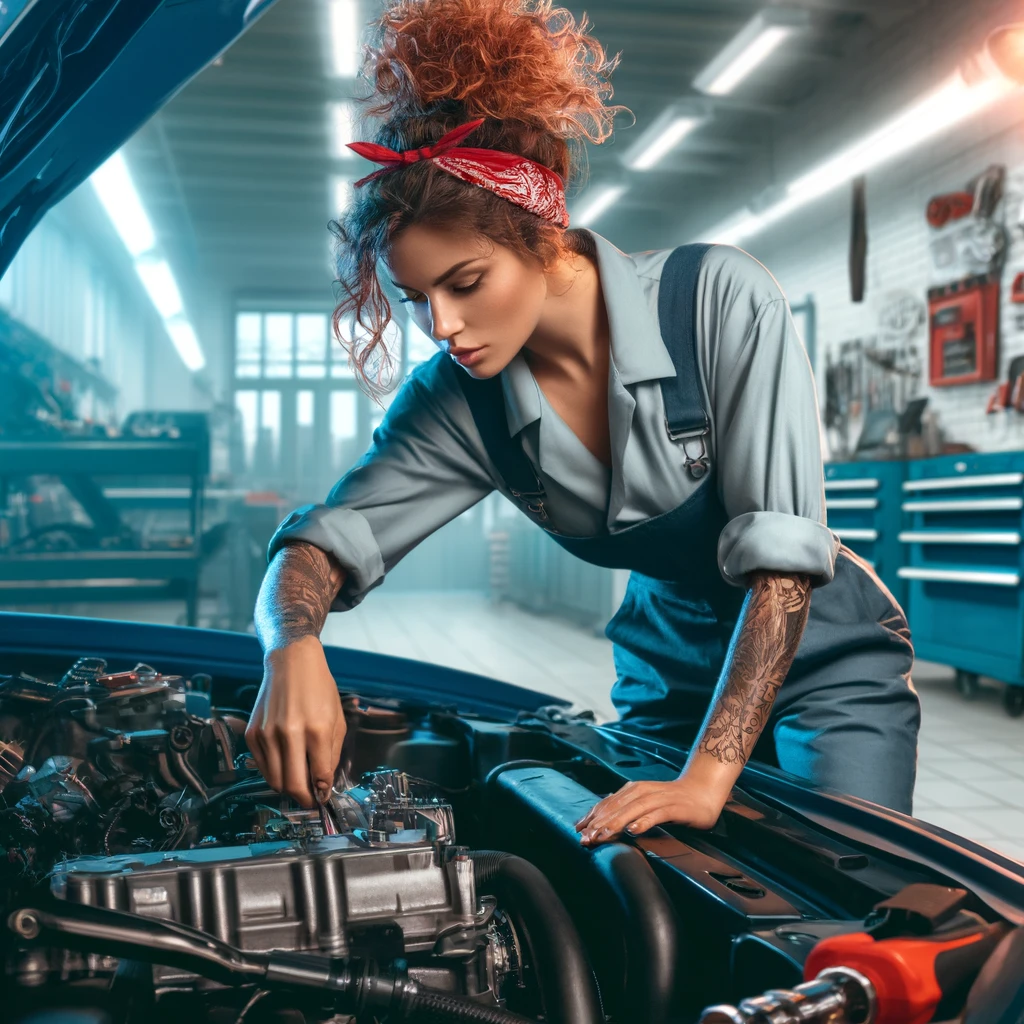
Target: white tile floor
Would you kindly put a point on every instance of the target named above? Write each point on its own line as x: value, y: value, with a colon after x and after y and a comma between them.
x: 971, y: 763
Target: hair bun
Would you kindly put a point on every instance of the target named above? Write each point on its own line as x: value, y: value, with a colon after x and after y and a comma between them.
x: 507, y: 59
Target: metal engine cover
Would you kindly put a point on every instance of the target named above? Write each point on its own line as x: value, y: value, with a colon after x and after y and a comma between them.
x: 289, y: 895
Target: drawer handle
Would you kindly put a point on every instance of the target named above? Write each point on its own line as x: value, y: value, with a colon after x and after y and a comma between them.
x: 855, y: 534
x: 995, y: 579
x: 989, y: 480
x: 866, y: 484
x: 981, y: 505
x: 1009, y: 537
x: 840, y: 503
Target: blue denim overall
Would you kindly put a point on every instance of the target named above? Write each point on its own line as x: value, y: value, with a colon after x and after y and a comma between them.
x: 847, y: 716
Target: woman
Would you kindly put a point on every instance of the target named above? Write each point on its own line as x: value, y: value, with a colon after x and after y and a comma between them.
x: 654, y: 412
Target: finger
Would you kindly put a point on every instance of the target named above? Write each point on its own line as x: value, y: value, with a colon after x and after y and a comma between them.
x: 322, y: 753
x: 625, y: 808
x: 582, y: 823
x: 255, y: 744
x: 609, y: 803
x: 295, y: 768
x: 608, y: 825
x: 271, y: 761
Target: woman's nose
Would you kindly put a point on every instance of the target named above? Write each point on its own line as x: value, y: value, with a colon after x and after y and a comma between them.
x: 443, y: 324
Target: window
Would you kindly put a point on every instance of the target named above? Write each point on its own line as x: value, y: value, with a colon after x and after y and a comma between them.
x: 304, y: 408
x: 284, y: 346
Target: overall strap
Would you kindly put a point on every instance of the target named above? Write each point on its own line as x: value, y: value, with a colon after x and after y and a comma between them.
x: 686, y: 418
x: 486, y: 402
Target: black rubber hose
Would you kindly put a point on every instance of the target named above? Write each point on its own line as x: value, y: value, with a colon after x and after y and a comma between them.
x: 649, y: 928
x: 565, y: 978
x: 425, y: 1007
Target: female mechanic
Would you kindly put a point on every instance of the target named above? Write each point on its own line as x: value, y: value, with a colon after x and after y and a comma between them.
x: 653, y: 412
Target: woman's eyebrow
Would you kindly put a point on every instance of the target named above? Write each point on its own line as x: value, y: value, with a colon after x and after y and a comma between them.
x: 444, y: 277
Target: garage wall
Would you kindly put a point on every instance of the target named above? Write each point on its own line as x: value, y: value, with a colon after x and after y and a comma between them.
x: 808, y: 251
x: 59, y: 287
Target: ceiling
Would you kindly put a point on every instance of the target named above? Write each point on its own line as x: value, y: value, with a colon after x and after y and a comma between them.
x: 235, y: 170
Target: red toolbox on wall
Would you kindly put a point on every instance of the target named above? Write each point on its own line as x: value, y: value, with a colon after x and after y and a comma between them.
x: 963, y: 320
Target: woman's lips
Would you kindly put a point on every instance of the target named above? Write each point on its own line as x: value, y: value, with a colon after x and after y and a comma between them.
x: 465, y: 356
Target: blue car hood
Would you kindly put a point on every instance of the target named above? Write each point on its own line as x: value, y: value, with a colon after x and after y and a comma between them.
x: 79, y: 77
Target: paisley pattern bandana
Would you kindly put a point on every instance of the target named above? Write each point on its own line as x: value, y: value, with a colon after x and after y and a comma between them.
x: 524, y: 182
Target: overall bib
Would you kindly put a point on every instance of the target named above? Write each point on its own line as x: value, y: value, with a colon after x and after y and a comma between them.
x: 847, y: 716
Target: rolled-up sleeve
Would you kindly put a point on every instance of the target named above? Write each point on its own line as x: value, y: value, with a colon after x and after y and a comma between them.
x: 766, y: 432
x: 424, y: 468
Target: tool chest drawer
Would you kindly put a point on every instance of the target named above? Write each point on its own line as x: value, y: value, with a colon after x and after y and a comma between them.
x: 961, y: 540
x: 862, y: 501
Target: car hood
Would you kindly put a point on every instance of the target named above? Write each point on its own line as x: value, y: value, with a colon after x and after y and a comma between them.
x: 81, y: 76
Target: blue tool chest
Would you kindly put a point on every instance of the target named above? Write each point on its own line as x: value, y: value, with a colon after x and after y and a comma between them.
x: 962, y: 566
x: 862, y: 501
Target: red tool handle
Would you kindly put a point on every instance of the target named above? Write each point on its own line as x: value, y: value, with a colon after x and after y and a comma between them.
x: 914, y: 978
x: 997, y: 400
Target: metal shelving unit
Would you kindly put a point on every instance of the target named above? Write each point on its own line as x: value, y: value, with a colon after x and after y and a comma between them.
x: 89, y: 468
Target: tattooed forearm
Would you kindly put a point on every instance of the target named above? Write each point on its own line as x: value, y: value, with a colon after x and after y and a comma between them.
x: 296, y: 595
x: 769, y: 633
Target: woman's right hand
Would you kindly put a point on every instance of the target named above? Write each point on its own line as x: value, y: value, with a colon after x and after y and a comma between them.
x: 297, y: 727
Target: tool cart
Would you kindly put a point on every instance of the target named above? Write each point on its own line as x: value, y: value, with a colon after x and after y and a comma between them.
x: 962, y: 564
x: 63, y: 534
x: 862, y: 501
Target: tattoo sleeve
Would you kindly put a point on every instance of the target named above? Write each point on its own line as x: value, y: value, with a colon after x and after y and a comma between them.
x: 767, y: 636
x: 301, y: 583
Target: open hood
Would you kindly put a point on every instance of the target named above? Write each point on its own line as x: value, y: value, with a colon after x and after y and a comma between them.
x: 81, y: 76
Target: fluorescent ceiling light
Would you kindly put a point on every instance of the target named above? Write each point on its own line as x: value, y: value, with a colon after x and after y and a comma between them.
x: 666, y: 132
x: 951, y: 103
x: 344, y: 23
x: 159, y: 282
x: 341, y: 196
x: 750, y: 48
x: 115, y: 190
x: 342, y: 128
x: 185, y: 341
x: 596, y: 204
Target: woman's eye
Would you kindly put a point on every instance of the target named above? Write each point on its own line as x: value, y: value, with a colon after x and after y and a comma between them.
x: 468, y: 287
x: 417, y: 298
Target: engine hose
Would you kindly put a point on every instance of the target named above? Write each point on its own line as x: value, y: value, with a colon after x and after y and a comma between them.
x: 425, y: 1007
x: 566, y: 981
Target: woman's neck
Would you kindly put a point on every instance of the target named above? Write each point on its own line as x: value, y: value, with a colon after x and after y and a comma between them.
x: 572, y: 337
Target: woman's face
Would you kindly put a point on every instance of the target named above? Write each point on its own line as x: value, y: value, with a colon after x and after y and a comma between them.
x: 479, y: 300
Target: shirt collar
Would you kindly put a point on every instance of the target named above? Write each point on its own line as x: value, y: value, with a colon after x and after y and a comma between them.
x: 638, y: 353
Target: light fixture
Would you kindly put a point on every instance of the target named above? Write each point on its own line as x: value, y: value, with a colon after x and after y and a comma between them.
x: 341, y: 196
x: 114, y: 188
x: 343, y: 17
x: 342, y: 127
x: 750, y: 48
x: 596, y: 204
x: 116, y: 192
x: 159, y: 282
x: 954, y: 101
x: 185, y: 341
x: 667, y: 130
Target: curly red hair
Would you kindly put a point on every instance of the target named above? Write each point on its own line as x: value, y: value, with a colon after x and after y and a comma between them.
x: 540, y: 81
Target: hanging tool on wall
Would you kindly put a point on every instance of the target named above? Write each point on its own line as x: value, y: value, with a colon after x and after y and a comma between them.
x: 914, y: 962
x: 858, y: 239
x: 1009, y: 394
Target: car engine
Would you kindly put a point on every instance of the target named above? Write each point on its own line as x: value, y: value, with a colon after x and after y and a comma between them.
x: 128, y: 792
x: 149, y: 875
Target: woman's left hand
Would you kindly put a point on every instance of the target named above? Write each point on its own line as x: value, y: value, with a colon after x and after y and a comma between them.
x: 639, y: 806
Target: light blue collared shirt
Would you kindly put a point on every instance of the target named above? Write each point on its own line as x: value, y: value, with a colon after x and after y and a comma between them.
x: 427, y: 463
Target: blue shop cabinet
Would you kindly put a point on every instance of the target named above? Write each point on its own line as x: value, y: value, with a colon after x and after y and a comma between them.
x: 862, y: 500
x: 962, y: 563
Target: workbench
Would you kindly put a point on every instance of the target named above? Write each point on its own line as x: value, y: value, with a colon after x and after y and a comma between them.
x: 90, y: 469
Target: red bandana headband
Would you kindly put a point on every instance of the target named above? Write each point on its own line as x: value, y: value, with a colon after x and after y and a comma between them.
x: 524, y: 182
